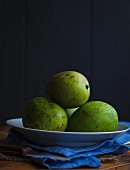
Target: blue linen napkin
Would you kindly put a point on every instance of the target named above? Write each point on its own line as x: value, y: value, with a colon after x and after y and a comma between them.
x: 76, y: 157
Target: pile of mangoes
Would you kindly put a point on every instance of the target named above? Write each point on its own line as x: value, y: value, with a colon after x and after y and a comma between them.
x: 67, y: 107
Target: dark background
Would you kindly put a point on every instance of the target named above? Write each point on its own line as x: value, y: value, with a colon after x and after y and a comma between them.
x: 39, y: 38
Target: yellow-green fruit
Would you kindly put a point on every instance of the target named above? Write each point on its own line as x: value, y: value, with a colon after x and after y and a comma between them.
x: 70, y: 111
x: 94, y: 116
x: 44, y: 114
x: 70, y: 89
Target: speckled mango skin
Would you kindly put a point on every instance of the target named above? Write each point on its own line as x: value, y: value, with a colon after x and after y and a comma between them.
x: 70, y: 89
x: 41, y: 113
x: 94, y: 116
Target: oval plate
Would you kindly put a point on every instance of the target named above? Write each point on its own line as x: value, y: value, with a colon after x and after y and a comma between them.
x: 66, y: 139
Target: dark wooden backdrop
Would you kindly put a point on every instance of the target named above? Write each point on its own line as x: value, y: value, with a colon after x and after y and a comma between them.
x: 39, y: 38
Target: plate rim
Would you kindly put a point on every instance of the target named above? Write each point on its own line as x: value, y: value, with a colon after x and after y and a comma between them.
x: 8, y: 122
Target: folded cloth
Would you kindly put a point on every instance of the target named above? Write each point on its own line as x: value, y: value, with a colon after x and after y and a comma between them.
x: 76, y: 157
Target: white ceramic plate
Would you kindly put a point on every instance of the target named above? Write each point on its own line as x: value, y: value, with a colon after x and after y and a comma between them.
x: 69, y: 139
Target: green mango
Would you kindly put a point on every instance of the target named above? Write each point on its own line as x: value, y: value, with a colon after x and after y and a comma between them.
x: 94, y: 116
x: 70, y: 111
x: 70, y: 89
x: 44, y: 114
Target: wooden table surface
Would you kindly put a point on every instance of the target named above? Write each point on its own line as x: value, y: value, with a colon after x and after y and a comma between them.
x: 123, y: 163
